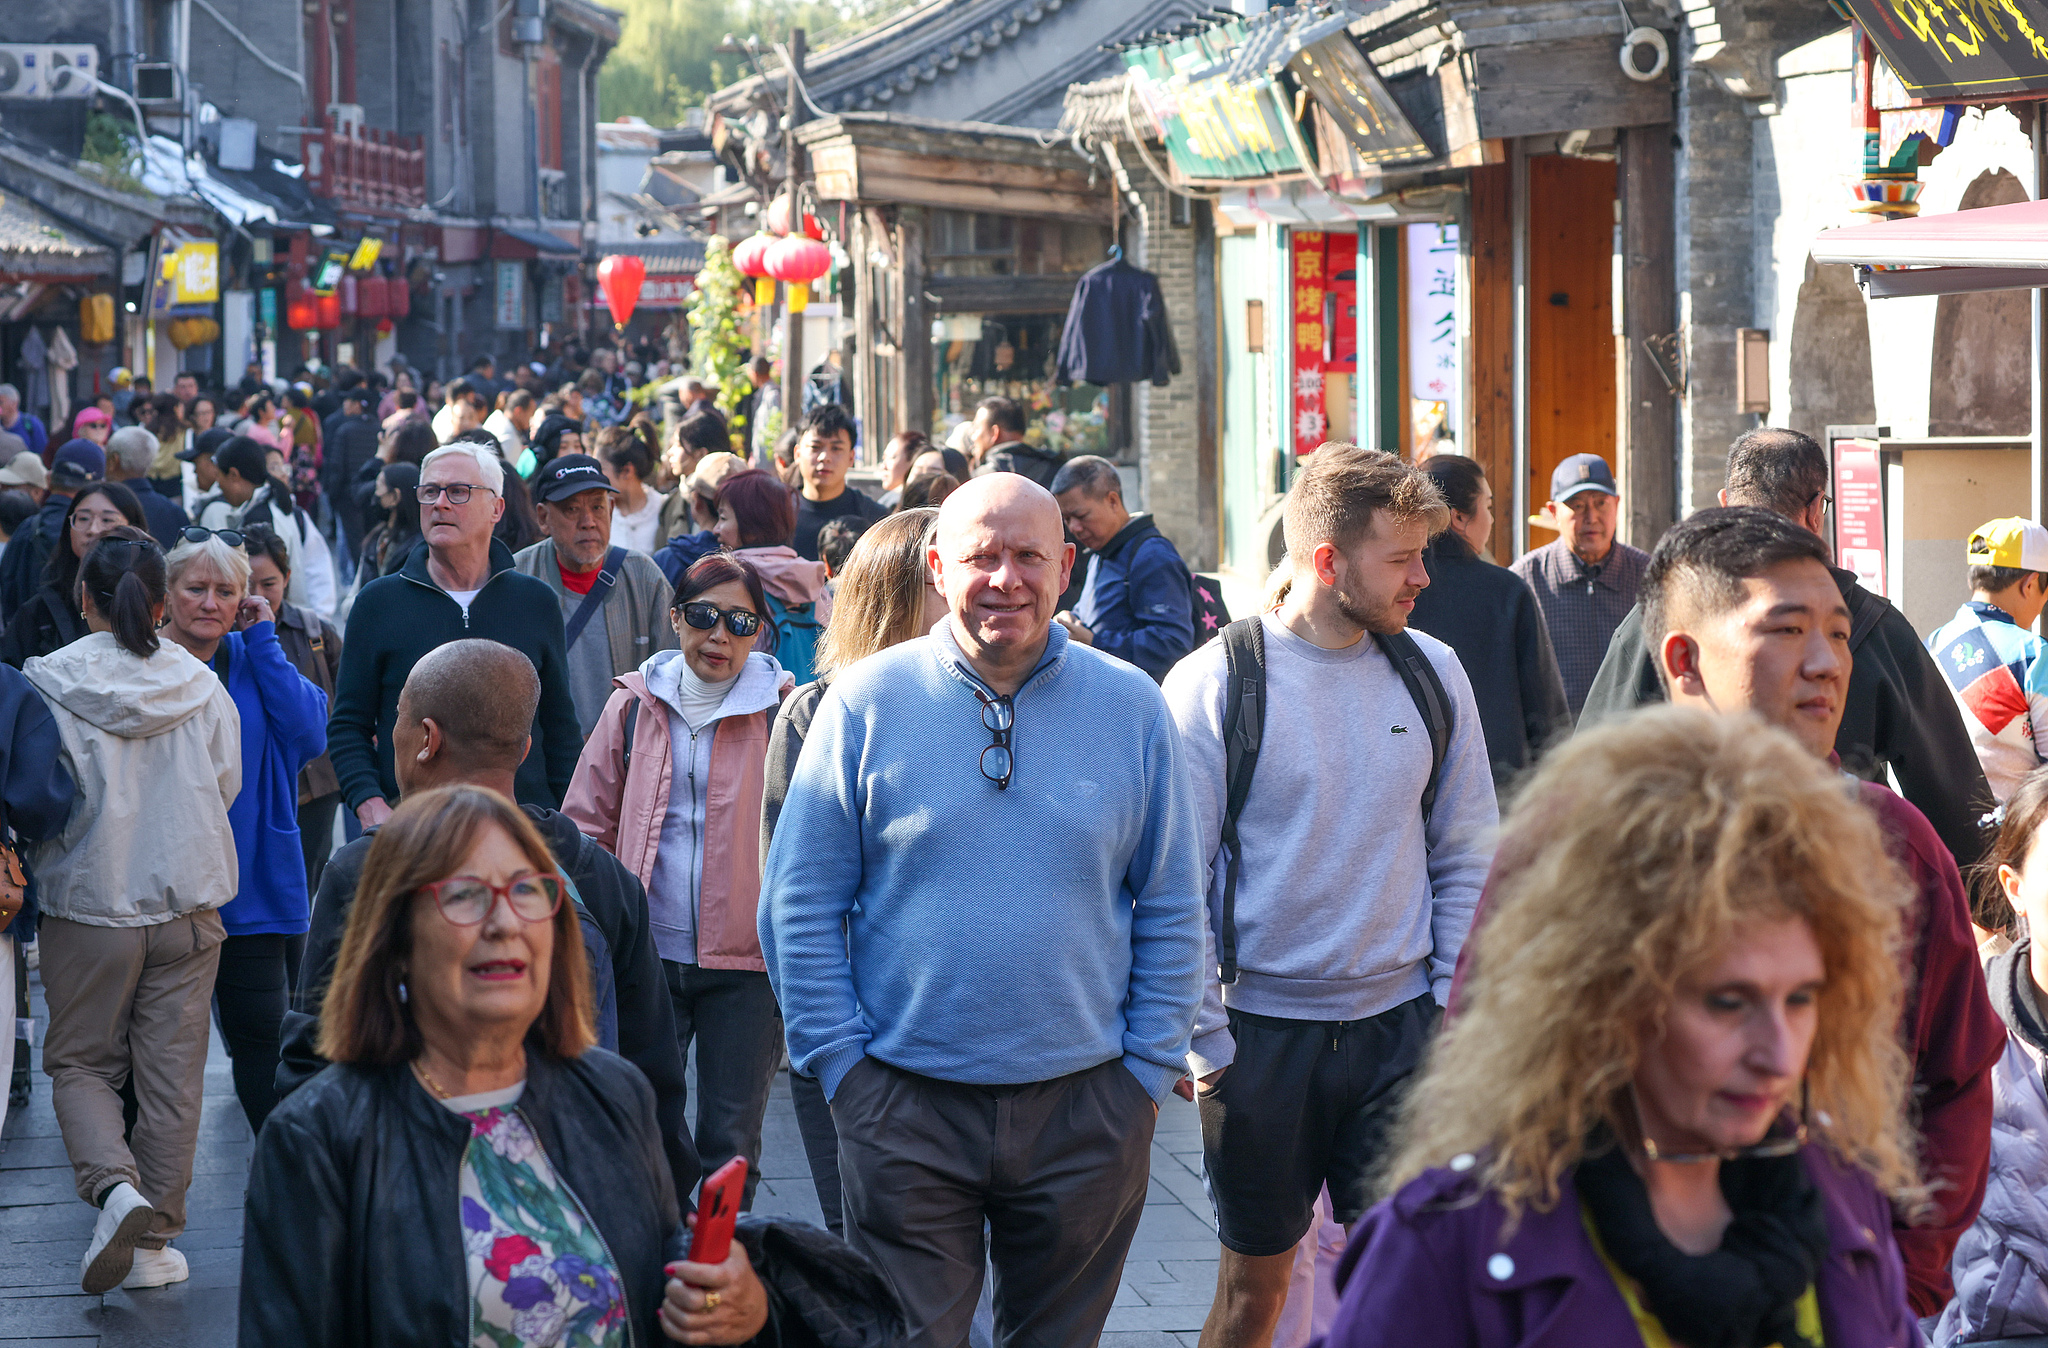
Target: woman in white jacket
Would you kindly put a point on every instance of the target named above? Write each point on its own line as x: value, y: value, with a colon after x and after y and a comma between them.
x: 130, y: 937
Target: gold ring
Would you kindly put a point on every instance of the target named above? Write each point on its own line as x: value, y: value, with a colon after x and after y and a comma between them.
x: 711, y: 1300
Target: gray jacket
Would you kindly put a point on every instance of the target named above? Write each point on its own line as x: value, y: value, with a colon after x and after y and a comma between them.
x: 635, y: 613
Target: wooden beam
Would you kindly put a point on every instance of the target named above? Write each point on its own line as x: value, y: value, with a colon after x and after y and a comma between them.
x: 1002, y: 294
x: 915, y: 397
x: 1647, y: 419
x: 1543, y: 88
x: 1490, y: 227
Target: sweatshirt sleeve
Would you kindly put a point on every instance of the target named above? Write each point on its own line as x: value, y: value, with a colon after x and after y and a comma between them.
x: 1162, y: 611
x: 293, y: 705
x: 810, y: 883
x: 1462, y: 826
x: 352, y: 726
x: 1194, y: 697
x: 37, y: 788
x: 1167, y: 942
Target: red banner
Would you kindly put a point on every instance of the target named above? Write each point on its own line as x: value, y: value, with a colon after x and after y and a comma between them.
x: 1311, y: 338
x: 1859, y: 512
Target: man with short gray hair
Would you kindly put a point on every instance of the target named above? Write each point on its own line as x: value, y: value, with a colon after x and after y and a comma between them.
x: 462, y: 584
x: 130, y: 452
x: 1136, y: 603
x: 18, y: 421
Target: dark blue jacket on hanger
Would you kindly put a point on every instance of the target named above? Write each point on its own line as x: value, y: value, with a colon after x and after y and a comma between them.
x: 1116, y: 330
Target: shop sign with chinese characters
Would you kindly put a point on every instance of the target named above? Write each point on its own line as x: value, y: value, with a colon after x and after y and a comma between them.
x: 1859, y: 512
x: 1311, y: 337
x: 1959, y: 48
x: 1432, y: 286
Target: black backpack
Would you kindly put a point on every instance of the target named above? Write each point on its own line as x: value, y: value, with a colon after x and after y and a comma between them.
x: 1206, y: 608
x: 1244, y: 719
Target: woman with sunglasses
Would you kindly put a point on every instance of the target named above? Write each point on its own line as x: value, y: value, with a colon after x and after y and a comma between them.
x: 212, y: 615
x: 1673, y: 1105
x: 757, y: 520
x: 51, y: 619
x: 471, y: 1169
x: 670, y: 782
x: 129, y: 890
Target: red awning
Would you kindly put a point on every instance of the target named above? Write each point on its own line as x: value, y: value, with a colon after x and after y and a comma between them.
x: 1995, y: 248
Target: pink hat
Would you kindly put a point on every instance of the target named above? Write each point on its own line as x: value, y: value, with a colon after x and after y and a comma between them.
x: 86, y: 414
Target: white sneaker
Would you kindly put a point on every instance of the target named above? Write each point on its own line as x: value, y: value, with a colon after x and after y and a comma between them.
x: 125, y: 1216
x: 157, y: 1268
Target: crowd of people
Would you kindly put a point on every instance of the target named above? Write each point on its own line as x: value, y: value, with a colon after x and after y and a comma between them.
x: 488, y: 755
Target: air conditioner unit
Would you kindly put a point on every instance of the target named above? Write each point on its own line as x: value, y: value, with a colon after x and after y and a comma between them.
x: 156, y: 82
x: 73, y: 69
x: 21, y: 70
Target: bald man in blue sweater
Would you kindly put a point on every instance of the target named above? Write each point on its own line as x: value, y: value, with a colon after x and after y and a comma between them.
x: 982, y: 915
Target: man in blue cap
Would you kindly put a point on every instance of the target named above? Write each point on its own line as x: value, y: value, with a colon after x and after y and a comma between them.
x: 1585, y: 582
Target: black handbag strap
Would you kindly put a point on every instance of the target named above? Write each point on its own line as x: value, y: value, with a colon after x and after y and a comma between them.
x: 600, y: 590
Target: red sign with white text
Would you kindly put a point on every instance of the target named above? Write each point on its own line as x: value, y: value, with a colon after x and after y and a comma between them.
x: 1859, y: 512
x: 1311, y: 338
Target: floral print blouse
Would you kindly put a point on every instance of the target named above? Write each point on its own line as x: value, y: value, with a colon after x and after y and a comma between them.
x: 539, y: 1273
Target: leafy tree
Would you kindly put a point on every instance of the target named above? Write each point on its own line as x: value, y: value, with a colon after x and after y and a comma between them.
x: 718, y: 348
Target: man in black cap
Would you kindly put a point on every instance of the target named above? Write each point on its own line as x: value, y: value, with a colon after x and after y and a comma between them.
x: 615, y: 602
x: 80, y: 463
x: 1586, y: 581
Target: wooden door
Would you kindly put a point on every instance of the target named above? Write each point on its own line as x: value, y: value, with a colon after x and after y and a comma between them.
x: 1571, y: 318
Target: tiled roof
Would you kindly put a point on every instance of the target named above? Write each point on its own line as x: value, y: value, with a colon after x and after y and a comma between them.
x: 36, y: 243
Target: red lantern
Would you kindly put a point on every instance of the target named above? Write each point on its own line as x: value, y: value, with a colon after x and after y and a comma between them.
x: 397, y: 297
x: 748, y: 254
x: 778, y: 219
x: 797, y: 259
x: 620, y: 276
x: 298, y: 306
x: 327, y: 309
x: 372, y: 299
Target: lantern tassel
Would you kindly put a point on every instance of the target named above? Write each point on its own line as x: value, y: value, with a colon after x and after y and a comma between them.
x: 799, y: 296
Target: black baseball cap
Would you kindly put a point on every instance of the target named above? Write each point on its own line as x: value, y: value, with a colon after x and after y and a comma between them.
x: 205, y: 443
x: 568, y: 474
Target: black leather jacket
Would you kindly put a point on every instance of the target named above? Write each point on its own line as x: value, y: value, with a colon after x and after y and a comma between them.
x: 352, y: 1230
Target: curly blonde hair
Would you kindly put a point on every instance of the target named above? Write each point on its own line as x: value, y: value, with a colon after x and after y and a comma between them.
x: 1636, y: 853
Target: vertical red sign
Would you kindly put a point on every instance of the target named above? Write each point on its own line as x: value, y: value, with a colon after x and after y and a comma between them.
x: 1311, y: 284
x: 1859, y: 512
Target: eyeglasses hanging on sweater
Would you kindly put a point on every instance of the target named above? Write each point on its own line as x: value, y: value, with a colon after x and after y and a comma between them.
x: 1117, y: 331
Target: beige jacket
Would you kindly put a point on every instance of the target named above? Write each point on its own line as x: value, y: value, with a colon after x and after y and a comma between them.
x: 155, y: 746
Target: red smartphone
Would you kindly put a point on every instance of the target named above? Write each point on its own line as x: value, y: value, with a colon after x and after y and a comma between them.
x: 718, y: 1208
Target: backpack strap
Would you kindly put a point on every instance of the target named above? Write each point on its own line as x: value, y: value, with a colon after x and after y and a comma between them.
x: 1244, y: 721
x: 632, y: 721
x: 600, y: 590
x: 1866, y: 612
x: 1430, y: 699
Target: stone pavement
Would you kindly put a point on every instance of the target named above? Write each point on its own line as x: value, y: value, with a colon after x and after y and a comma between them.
x: 1167, y: 1285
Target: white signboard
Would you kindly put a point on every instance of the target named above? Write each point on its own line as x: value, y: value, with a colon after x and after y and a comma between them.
x: 1432, y: 284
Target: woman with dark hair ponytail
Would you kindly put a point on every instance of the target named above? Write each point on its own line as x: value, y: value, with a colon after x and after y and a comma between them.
x: 130, y: 937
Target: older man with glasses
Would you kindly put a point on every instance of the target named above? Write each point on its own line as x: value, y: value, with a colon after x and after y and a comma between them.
x: 991, y: 962
x: 462, y: 584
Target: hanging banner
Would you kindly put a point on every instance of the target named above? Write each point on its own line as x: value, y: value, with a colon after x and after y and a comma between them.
x: 1432, y: 296
x: 194, y: 270
x: 511, y: 295
x: 1959, y: 48
x: 1215, y: 127
x: 1310, y: 277
x: 1859, y: 512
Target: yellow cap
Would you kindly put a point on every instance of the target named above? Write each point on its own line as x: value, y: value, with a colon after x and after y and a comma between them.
x: 2020, y: 544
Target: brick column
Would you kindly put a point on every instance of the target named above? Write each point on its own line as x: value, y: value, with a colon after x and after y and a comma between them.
x: 1165, y: 421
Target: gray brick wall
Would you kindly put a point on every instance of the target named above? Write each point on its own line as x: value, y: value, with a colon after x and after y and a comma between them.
x: 1163, y: 419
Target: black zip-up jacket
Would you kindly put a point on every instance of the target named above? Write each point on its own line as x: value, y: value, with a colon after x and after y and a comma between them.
x: 636, y: 1020
x: 1898, y: 713
x: 1488, y: 615
x: 399, y: 618
x: 1024, y: 459
x: 352, y: 1231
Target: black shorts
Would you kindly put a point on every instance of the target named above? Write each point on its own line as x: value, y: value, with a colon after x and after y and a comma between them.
x: 1305, y: 1103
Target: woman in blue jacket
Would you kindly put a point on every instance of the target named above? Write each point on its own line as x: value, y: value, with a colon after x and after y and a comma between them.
x: 211, y: 613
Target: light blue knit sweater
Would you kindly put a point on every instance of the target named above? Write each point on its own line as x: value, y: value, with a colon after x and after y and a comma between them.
x: 991, y: 937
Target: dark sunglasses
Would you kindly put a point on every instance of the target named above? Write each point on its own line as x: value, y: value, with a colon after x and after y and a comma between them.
x: 192, y: 533
x: 704, y: 616
x: 998, y: 761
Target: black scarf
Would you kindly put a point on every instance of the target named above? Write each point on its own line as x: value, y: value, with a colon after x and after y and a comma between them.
x: 1742, y: 1295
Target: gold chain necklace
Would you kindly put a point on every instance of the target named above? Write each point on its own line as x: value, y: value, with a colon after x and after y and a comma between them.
x: 426, y: 1079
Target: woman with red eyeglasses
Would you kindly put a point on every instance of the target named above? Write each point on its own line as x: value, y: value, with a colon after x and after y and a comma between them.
x: 472, y: 1169
x: 670, y: 782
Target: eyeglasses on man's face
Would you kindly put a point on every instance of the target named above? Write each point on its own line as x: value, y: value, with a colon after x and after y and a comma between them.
x: 458, y: 493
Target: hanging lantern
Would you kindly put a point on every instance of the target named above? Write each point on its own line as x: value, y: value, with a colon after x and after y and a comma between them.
x: 798, y: 261
x: 327, y: 311
x: 747, y: 254
x: 372, y: 296
x: 778, y: 219
x: 397, y: 297
x: 299, y: 312
x: 620, y: 276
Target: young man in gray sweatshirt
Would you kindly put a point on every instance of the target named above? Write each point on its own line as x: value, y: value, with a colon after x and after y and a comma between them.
x: 1350, y: 908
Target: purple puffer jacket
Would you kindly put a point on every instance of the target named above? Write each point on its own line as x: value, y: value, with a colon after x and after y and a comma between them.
x: 1428, y: 1268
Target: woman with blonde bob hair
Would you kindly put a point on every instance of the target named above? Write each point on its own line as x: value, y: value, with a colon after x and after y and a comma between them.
x: 883, y: 598
x: 1671, y: 1108
x: 471, y: 1168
